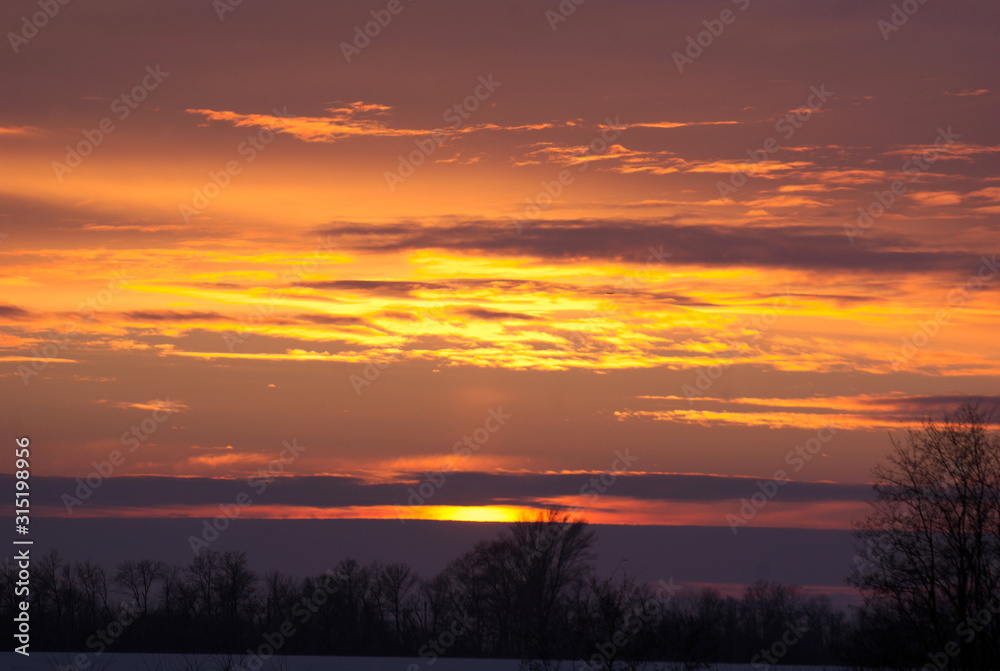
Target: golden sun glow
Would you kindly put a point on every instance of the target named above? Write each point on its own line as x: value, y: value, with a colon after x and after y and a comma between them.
x: 336, y: 259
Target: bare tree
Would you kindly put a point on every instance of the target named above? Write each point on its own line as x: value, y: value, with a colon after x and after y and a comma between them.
x: 611, y: 605
x: 767, y: 606
x: 516, y: 587
x: 50, y: 588
x: 236, y: 589
x: 482, y: 585
x: 931, y: 547
x: 395, y: 586
x: 171, y: 588
x: 279, y: 599
x: 93, y: 584
x: 8, y: 582
x: 136, y: 578
x: 552, y: 557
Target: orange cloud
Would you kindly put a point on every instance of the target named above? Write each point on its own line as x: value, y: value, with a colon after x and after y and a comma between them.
x: 350, y: 120
x: 863, y: 412
x: 683, y: 124
x: 18, y: 130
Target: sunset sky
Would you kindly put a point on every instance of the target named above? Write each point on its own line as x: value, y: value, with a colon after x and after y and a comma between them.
x: 235, y: 237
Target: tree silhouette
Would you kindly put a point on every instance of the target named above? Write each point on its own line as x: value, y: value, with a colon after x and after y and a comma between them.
x: 529, y: 593
x: 552, y: 557
x: 930, y: 550
x: 136, y: 579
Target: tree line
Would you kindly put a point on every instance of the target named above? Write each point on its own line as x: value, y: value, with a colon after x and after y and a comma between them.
x: 530, y: 593
x: 928, y: 566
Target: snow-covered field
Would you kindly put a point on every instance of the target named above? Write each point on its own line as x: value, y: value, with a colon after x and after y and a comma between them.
x: 40, y: 661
